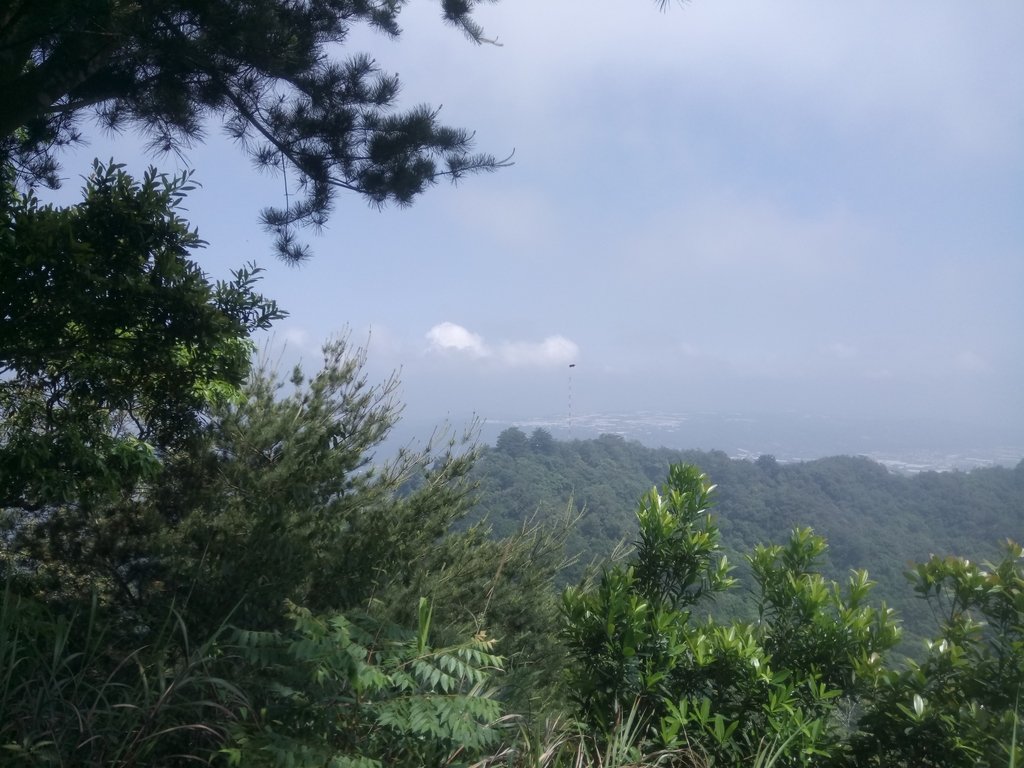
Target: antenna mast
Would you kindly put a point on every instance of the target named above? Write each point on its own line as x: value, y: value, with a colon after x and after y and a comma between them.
x: 571, y: 366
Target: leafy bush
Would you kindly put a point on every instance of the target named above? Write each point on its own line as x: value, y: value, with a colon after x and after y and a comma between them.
x: 959, y: 705
x: 346, y: 691
x: 727, y: 690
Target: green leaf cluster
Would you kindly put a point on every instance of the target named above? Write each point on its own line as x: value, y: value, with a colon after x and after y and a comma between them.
x: 347, y: 690
x: 112, y: 339
x: 722, y: 688
x: 959, y: 704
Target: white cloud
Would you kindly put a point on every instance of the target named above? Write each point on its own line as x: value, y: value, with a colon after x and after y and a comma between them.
x: 451, y: 336
x: 553, y: 350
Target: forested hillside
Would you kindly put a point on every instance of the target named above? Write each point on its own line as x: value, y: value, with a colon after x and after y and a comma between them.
x: 871, y: 518
x: 204, y: 561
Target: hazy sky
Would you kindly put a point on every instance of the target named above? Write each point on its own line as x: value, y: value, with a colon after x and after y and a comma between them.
x: 785, y: 206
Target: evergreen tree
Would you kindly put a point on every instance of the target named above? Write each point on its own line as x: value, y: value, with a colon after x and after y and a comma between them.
x: 265, y: 68
x: 287, y: 499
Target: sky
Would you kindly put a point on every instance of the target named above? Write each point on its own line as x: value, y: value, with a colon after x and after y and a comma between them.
x: 730, y: 206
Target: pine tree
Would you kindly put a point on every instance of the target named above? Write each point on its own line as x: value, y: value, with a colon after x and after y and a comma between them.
x: 265, y: 68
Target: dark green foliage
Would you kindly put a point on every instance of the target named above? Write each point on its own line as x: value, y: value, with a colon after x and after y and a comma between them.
x: 725, y: 689
x: 173, y: 491
x: 504, y: 585
x: 542, y: 442
x: 601, y: 477
x: 872, y: 519
x: 112, y: 339
x: 114, y: 344
x: 69, y: 696
x: 283, y: 503
x: 265, y: 68
x: 513, y: 442
x: 286, y: 501
x: 346, y: 690
x: 959, y: 705
x: 287, y: 504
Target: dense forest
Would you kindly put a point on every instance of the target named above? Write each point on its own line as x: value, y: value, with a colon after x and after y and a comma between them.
x: 214, y: 569
x: 871, y: 518
x: 203, y: 562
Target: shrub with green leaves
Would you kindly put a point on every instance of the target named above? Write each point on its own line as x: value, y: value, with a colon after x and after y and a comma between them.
x: 959, y: 705
x: 345, y: 690
x: 730, y: 691
x: 626, y: 636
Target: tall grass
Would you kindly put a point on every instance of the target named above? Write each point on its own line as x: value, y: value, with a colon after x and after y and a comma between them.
x: 568, y: 744
x: 1013, y: 734
x: 71, y: 696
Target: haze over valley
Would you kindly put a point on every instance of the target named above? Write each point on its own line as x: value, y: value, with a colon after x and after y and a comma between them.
x: 904, y: 446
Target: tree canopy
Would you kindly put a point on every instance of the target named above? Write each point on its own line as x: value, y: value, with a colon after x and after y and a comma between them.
x: 266, y: 69
x: 112, y: 340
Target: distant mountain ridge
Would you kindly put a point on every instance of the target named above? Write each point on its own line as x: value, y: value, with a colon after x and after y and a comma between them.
x: 908, y: 445
x: 872, y: 518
